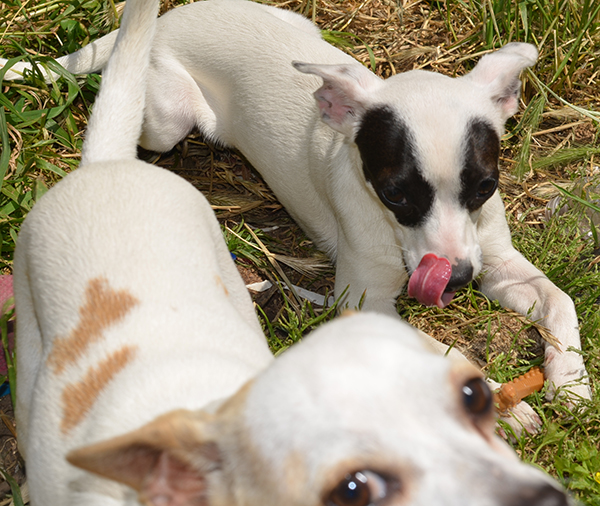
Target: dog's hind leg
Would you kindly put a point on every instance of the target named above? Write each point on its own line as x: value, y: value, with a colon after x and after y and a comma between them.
x: 170, y: 116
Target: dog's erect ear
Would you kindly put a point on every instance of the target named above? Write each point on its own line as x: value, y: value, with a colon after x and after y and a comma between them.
x: 344, y: 96
x: 500, y: 72
x: 165, y: 461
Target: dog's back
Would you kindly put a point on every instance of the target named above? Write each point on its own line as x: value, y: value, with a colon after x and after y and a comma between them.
x: 126, y: 294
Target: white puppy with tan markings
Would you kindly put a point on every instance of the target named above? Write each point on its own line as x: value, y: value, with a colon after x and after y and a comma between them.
x: 140, y: 359
x: 390, y: 177
x: 346, y: 418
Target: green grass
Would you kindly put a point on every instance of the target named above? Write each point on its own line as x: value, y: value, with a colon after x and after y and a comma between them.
x: 568, y: 445
x: 41, y: 133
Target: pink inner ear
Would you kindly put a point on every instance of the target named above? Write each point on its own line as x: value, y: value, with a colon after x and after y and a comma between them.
x: 174, y: 483
x: 332, y: 103
x: 509, y: 104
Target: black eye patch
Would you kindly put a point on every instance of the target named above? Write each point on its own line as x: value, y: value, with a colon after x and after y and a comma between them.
x: 479, y: 176
x: 390, y: 165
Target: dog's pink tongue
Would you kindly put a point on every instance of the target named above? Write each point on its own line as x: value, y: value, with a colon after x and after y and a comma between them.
x: 428, y: 282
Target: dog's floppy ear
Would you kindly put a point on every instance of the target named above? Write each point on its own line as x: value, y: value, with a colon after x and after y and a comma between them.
x: 165, y: 461
x: 500, y: 72
x: 344, y: 96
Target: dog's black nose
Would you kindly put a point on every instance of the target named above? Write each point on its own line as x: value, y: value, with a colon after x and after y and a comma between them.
x: 462, y: 275
x: 546, y: 495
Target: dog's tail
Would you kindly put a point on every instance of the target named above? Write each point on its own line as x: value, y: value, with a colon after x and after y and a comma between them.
x: 116, y: 122
x: 91, y: 58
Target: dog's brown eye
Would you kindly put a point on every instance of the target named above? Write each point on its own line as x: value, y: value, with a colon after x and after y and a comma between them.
x: 362, y: 488
x: 394, y: 196
x: 477, y: 397
x: 486, y: 188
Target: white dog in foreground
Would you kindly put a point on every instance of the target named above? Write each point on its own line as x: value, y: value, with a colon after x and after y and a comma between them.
x: 141, y: 362
x: 387, y: 176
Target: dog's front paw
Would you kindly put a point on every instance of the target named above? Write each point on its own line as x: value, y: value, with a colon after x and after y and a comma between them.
x: 566, y: 376
x: 520, y: 417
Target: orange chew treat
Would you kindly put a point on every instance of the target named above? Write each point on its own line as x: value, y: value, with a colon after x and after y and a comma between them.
x: 514, y: 391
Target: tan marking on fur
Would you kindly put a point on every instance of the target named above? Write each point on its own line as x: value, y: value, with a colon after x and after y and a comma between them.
x: 78, y: 398
x: 220, y: 283
x: 103, y: 307
x: 130, y: 457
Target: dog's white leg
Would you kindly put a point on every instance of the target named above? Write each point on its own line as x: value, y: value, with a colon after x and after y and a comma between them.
x: 169, y: 117
x: 16, y: 71
x: 518, y: 285
x: 518, y: 418
x: 363, y: 270
x: 373, y: 280
x: 193, y: 100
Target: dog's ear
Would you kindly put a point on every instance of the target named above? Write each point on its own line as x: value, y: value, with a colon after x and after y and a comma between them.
x: 500, y: 72
x: 165, y: 461
x: 344, y: 96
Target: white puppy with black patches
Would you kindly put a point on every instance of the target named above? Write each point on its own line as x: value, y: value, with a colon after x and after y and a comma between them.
x: 390, y: 177
x: 141, y: 362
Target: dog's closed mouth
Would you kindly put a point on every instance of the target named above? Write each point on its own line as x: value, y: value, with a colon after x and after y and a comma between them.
x: 429, y: 281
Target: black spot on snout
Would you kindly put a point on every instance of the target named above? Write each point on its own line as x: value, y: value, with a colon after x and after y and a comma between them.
x: 462, y: 275
x: 479, y: 176
x: 390, y: 164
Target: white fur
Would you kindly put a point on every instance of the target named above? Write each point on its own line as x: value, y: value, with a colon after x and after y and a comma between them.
x: 121, y: 256
x: 225, y: 66
x: 349, y: 398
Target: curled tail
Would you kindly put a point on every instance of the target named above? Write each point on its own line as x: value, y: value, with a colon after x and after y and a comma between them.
x: 116, y: 122
x: 91, y: 58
